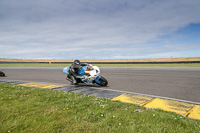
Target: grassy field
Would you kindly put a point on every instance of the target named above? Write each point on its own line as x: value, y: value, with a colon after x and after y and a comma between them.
x: 100, y: 65
x: 24, y: 109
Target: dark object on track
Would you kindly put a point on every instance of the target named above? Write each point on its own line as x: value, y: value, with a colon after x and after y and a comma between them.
x: 2, y: 74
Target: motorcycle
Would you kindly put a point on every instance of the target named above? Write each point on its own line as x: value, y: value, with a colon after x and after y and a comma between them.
x: 88, y: 77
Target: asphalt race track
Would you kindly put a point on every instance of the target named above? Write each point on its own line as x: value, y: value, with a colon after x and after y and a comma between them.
x: 173, y: 82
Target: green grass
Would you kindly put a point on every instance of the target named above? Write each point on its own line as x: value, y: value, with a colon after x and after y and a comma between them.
x: 100, y: 65
x: 24, y: 109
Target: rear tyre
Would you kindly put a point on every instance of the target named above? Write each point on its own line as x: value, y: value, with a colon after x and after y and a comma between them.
x: 103, y: 81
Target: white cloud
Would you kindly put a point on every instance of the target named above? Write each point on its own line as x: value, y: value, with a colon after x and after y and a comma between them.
x: 100, y: 29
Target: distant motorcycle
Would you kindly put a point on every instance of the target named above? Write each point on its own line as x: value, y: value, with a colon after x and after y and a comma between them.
x: 2, y: 74
x: 88, y: 78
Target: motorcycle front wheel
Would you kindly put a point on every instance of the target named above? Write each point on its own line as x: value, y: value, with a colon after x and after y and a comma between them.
x: 103, y: 81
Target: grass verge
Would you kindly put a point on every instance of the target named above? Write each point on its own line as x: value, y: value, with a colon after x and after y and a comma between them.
x: 100, y: 65
x: 24, y: 109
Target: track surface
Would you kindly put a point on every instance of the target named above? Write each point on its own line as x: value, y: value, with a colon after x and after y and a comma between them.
x: 179, y: 83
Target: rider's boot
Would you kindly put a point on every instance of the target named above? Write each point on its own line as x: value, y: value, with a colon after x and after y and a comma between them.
x: 74, y: 82
x: 68, y: 78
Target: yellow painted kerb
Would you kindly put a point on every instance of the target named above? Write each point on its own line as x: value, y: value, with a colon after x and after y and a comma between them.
x: 131, y: 98
x: 27, y: 84
x: 52, y: 86
x: 42, y: 85
x: 170, y: 105
x: 195, y: 113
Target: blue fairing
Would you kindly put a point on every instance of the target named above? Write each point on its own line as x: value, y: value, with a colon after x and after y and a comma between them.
x: 66, y: 69
x: 84, y: 67
x: 81, y: 71
x: 97, y: 79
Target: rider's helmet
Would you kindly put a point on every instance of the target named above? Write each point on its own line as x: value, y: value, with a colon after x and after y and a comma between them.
x: 76, y: 64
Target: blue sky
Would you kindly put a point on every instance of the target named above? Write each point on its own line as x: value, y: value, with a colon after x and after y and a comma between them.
x: 99, y: 29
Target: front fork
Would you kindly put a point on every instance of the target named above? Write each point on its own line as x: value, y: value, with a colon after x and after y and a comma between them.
x: 97, y: 79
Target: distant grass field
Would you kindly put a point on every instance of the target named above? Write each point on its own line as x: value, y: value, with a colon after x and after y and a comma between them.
x: 100, y: 65
x: 33, y: 110
x: 111, y: 60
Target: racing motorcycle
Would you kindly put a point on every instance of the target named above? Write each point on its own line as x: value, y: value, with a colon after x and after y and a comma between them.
x: 88, y: 77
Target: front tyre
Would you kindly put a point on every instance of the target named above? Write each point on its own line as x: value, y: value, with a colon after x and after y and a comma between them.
x: 103, y: 81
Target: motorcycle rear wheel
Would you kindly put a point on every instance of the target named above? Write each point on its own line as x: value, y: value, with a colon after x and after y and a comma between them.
x: 103, y: 81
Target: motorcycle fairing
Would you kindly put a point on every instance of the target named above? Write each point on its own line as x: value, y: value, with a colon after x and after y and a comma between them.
x: 81, y: 71
x: 66, y: 69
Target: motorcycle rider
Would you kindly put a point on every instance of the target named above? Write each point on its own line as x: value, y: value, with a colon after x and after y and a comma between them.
x: 75, y: 66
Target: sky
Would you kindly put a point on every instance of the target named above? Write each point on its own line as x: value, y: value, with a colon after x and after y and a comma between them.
x: 99, y: 29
